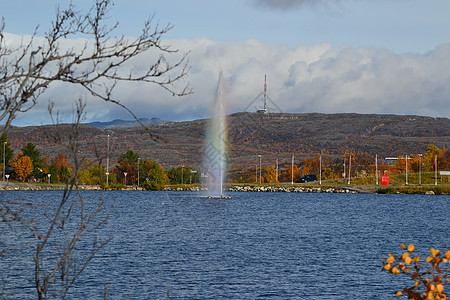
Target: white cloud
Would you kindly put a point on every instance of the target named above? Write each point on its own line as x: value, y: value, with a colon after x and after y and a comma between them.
x: 309, y: 78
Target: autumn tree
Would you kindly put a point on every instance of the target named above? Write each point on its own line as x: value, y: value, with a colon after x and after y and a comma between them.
x: 98, y: 174
x: 23, y: 166
x: 92, y: 174
x: 63, y: 169
x: 271, y: 174
x: 429, y: 157
x: 181, y: 175
x: 309, y: 166
x: 286, y: 174
x: 152, y: 175
x: 127, y: 164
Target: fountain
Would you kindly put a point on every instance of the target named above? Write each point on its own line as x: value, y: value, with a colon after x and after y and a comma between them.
x: 214, y: 158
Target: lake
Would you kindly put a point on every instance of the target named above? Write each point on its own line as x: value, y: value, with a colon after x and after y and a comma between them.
x: 252, y: 246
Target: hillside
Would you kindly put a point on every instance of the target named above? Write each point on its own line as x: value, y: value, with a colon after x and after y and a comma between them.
x: 250, y: 134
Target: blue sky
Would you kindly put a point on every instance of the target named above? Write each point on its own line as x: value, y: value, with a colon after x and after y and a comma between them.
x: 306, y: 47
x: 399, y: 25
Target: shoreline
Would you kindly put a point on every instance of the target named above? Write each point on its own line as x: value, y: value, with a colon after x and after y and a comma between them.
x: 252, y: 188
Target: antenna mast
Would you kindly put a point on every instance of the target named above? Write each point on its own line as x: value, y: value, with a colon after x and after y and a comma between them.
x: 264, y: 110
x: 265, y: 93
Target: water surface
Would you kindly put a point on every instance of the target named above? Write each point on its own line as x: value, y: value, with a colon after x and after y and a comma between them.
x: 252, y: 246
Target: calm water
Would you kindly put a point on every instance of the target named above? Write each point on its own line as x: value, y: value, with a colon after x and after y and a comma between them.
x: 252, y: 246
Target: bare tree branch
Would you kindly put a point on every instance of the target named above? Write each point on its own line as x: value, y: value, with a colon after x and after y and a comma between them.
x: 27, y: 70
x: 66, y: 267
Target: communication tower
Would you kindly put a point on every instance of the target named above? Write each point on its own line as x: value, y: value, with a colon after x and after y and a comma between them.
x: 264, y: 110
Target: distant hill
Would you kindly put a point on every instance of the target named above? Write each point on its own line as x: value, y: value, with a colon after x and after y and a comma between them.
x: 126, y: 123
x: 273, y: 136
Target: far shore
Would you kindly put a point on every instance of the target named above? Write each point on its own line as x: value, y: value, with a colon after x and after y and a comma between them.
x: 314, y: 187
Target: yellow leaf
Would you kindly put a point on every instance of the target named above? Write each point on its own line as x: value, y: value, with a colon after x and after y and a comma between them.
x: 405, y: 255
x: 447, y: 254
x: 416, y: 259
x: 411, y: 248
x: 408, y: 260
x: 390, y: 260
x: 440, y: 288
x: 387, y: 267
x: 417, y: 282
x: 399, y: 293
x: 395, y: 271
x: 403, y: 246
x: 435, y: 252
x: 429, y: 259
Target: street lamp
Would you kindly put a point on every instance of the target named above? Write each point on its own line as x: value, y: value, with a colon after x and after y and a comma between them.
x: 406, y: 166
x: 49, y: 177
x: 256, y: 173
x: 349, y: 167
x: 320, y: 169
x: 107, y: 162
x: 259, y: 169
x: 182, y: 174
x: 376, y: 168
x: 420, y: 165
x: 190, y: 177
x: 277, y: 171
x: 292, y: 169
x: 4, y: 161
x: 138, y: 170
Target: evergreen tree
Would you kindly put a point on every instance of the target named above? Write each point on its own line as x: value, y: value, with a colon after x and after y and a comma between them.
x: 35, y: 155
x: 127, y: 164
x: 53, y: 171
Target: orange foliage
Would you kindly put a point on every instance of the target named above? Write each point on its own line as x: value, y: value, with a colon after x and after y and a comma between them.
x: 23, y: 166
x: 428, y: 281
x: 271, y: 175
x: 60, y: 161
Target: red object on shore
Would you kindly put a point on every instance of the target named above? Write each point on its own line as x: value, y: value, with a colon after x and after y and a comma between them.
x: 384, y: 179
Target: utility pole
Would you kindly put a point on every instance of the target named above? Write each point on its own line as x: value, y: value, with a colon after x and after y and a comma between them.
x: 259, y: 169
x: 107, y: 162
x: 376, y: 168
x: 277, y: 170
x: 292, y: 167
x: 349, y: 167
x: 320, y: 169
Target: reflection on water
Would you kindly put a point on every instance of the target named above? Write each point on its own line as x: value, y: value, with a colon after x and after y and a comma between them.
x: 254, y: 245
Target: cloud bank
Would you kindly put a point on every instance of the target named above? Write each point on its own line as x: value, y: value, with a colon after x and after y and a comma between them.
x: 289, y: 4
x: 308, y: 78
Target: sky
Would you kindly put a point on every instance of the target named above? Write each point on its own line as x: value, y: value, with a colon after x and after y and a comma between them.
x: 326, y: 56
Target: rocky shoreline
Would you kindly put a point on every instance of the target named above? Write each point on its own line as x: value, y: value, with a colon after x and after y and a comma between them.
x: 360, y: 189
x: 19, y: 186
x: 274, y: 189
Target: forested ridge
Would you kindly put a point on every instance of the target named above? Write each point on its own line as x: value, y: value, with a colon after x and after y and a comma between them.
x: 273, y: 136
